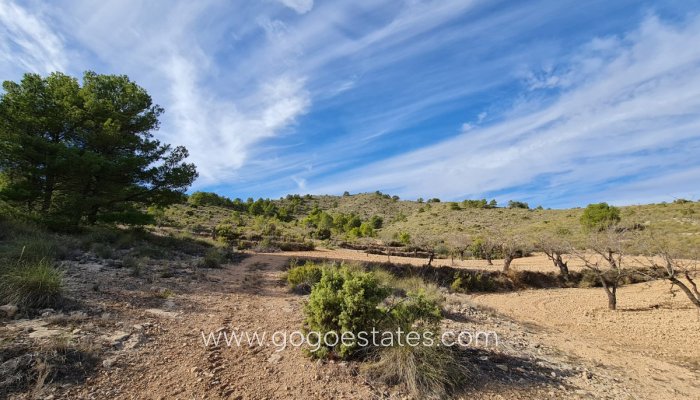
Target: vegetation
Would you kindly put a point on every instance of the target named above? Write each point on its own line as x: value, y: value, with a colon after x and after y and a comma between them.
x: 31, y: 284
x: 600, y: 216
x: 73, y: 154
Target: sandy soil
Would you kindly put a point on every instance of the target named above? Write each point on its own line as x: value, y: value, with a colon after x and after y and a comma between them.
x: 651, y: 340
x: 552, y: 343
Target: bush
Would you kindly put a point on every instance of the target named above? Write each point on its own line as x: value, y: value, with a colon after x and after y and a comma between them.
x: 102, y: 250
x: 599, y: 216
x: 518, y: 204
x: 405, y: 238
x: 343, y: 301
x: 133, y: 265
x: 31, y: 284
x: 302, y: 278
x: 422, y: 371
x: 212, y: 259
x: 473, y: 282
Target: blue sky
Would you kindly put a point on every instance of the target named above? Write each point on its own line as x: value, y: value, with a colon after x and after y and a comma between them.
x: 559, y: 103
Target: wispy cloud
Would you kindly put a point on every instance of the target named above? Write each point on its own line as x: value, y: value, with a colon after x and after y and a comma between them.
x: 630, y: 110
x: 26, y: 43
x: 537, y: 100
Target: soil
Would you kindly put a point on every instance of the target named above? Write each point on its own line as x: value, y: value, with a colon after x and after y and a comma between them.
x: 146, y: 334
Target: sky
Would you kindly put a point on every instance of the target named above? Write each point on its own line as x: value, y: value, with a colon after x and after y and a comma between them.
x: 557, y: 103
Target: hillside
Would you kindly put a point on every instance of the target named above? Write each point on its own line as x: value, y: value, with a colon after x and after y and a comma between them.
x: 451, y: 226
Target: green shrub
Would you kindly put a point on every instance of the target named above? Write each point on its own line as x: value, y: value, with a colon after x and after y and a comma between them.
x: 31, y: 284
x: 133, y: 265
x: 473, y: 282
x: 599, y: 216
x: 343, y: 301
x: 212, y: 259
x: 302, y: 278
x: 405, y: 238
x: 102, y: 250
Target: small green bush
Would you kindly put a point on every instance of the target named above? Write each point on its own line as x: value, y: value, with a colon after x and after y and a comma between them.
x: 344, y: 301
x: 31, y: 284
x: 599, y: 216
x: 102, y: 250
x: 212, y: 259
x: 302, y: 278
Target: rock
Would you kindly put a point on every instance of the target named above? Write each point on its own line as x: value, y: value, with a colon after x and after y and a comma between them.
x: 274, y: 358
x: 162, y: 313
x: 134, y: 341
x: 47, y: 312
x: 502, y: 367
x: 42, y: 333
x: 554, y: 374
x: 109, y: 362
x: 117, y: 338
x: 9, y: 309
x: 78, y: 314
x: 587, y: 374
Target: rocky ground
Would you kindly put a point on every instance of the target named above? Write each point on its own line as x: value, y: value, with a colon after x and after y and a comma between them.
x: 140, y: 337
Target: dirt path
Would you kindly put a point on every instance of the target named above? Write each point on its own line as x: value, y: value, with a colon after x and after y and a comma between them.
x: 174, y: 363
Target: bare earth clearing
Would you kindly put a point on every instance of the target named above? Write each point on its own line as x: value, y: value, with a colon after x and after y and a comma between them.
x: 560, y: 343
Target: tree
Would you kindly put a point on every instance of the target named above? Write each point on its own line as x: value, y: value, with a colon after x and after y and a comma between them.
x: 666, y: 263
x: 605, y: 258
x: 78, y: 154
x: 484, y: 247
x: 554, y: 248
x: 511, y: 245
x: 599, y: 216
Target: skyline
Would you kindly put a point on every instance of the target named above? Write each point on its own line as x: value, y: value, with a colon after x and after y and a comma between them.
x: 552, y: 103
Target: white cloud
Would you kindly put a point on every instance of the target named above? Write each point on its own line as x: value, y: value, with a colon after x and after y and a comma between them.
x: 300, y: 6
x: 630, y: 99
x: 26, y: 41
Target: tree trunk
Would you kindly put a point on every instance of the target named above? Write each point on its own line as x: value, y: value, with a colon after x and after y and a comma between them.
x: 430, y: 260
x: 506, y: 262
x: 693, y: 299
x: 488, y: 259
x: 563, y: 267
x: 48, y: 194
x: 612, y: 294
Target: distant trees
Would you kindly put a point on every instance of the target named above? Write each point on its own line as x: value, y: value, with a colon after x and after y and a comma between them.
x: 212, y: 199
x: 479, y: 203
x: 73, y: 153
x: 518, y: 204
x: 599, y: 216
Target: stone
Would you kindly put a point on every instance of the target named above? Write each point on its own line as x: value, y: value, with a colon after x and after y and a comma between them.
x: 109, y: 362
x: 42, y: 333
x: 9, y: 309
x: 134, y: 341
x: 274, y: 358
x: 502, y: 367
x: 162, y: 313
